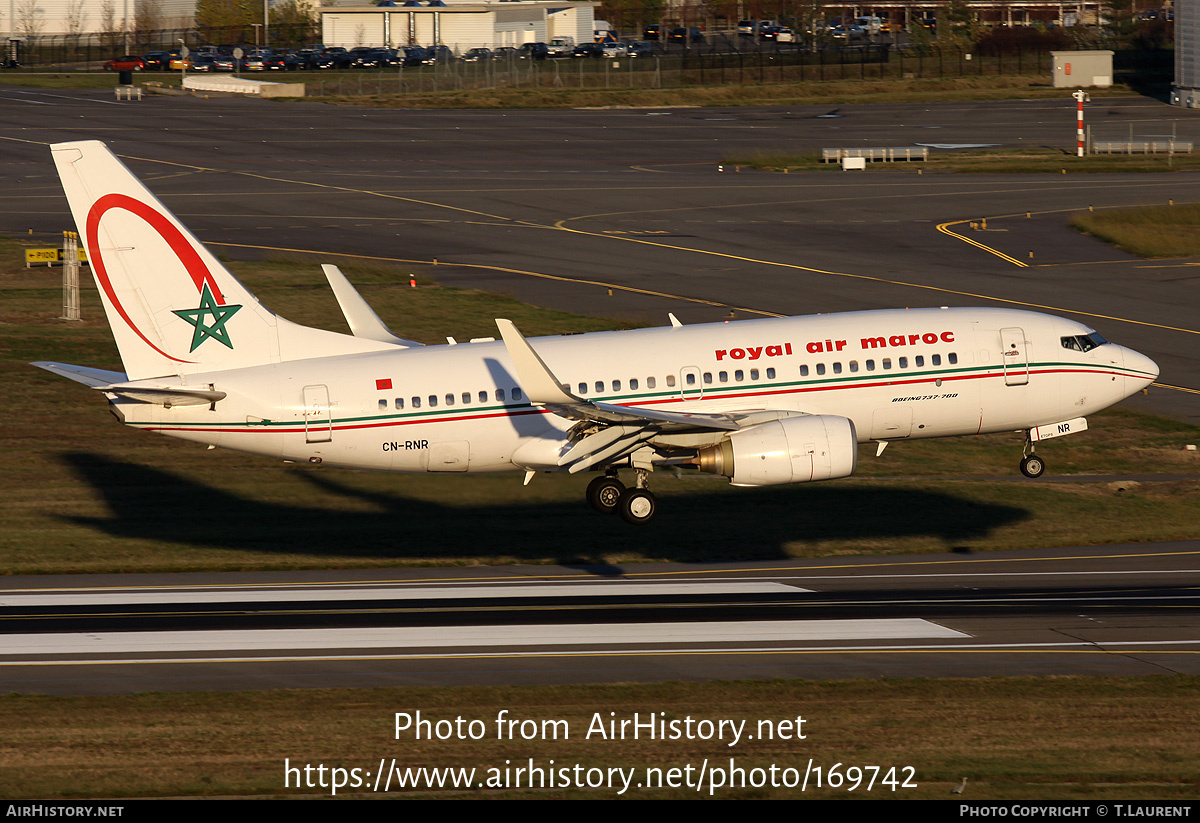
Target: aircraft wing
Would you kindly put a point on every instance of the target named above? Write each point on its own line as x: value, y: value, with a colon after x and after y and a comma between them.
x: 544, y: 389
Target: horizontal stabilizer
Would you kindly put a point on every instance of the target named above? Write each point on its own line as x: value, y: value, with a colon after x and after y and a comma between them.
x: 363, y: 320
x: 82, y: 374
x: 169, y: 396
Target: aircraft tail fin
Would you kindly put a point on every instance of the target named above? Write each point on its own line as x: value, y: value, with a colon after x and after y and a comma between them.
x: 172, y: 306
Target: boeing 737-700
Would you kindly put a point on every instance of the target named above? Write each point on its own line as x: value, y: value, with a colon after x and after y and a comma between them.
x: 761, y: 402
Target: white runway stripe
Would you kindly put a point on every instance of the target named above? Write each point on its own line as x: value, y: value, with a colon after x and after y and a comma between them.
x: 779, y: 631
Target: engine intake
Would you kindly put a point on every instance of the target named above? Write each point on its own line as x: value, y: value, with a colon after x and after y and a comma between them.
x: 793, y: 450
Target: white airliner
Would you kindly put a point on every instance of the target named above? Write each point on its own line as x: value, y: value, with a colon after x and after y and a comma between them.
x: 761, y: 402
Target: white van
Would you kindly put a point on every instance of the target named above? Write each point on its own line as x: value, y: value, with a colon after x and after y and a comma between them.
x: 560, y: 46
x: 873, y: 25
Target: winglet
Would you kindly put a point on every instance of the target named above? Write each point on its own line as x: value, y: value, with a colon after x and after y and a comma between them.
x: 362, y: 319
x: 540, y: 384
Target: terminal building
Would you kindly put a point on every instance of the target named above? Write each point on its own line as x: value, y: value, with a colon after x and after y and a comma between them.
x: 1186, y: 91
x: 459, y: 25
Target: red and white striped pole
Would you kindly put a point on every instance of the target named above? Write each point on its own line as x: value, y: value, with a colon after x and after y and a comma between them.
x: 1080, y: 96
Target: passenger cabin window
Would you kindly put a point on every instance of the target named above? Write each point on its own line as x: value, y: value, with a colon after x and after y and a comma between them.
x: 853, y: 365
x: 670, y: 381
x: 466, y: 397
x: 416, y: 402
x: 433, y: 401
x: 770, y: 374
x: 887, y: 362
x: 599, y: 387
x: 870, y: 365
x: 935, y: 359
x: 754, y: 374
x: 708, y: 377
x: 500, y: 394
x: 483, y: 397
x: 616, y: 384
x: 739, y: 376
x: 953, y: 358
x: 804, y: 371
x: 399, y: 403
x: 583, y: 388
x: 919, y: 360
x: 903, y: 362
x: 633, y: 384
x: 837, y: 368
x: 691, y: 379
x: 820, y: 368
x: 723, y: 376
x: 449, y: 399
x: 383, y: 405
x: 516, y: 394
x: 650, y: 382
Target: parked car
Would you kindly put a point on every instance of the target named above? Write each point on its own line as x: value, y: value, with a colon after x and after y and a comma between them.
x: 505, y: 53
x: 652, y: 32
x: 679, y: 34
x: 205, y: 63
x: 589, y: 50
x: 533, y: 51
x: 130, y: 62
x: 641, y: 48
x: 156, y: 60
x: 614, y: 49
x: 477, y: 55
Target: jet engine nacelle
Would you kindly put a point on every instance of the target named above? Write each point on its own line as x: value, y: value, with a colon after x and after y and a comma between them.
x: 792, y: 450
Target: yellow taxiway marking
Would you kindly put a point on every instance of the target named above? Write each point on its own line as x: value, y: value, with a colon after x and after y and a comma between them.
x: 1057, y: 309
x: 1176, y: 388
x: 944, y: 229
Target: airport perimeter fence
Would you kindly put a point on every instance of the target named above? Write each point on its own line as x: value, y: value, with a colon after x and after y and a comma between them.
x: 89, y: 52
x: 721, y: 61
x: 692, y: 69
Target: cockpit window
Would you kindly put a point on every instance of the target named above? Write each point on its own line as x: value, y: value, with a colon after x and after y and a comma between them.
x: 1083, y: 342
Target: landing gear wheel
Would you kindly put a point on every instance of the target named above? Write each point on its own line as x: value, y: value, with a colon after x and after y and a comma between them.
x: 604, y: 493
x: 1032, y: 466
x: 637, y: 506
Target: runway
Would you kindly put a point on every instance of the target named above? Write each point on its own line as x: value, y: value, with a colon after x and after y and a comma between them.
x: 1117, y: 610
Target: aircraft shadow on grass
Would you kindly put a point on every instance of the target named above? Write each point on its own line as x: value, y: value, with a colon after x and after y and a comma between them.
x: 151, y: 504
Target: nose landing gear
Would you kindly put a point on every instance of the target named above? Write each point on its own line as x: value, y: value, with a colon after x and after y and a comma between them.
x: 1031, y: 464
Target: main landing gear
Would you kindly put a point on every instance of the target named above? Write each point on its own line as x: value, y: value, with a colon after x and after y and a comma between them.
x: 1031, y: 464
x: 608, y: 495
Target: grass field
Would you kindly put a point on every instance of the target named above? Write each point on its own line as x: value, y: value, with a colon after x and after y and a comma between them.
x: 1161, y: 231
x: 85, y: 494
x: 1013, y: 738
x: 372, y: 88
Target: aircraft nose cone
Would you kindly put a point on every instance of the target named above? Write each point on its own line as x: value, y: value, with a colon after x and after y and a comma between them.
x: 1143, y: 370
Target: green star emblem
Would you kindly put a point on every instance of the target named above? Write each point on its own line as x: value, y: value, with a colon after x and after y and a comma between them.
x: 216, y: 329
